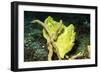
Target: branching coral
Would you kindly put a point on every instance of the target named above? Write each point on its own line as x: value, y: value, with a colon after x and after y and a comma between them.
x: 60, y: 39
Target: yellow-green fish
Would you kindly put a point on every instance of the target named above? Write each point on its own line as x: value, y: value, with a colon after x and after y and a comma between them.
x: 65, y: 40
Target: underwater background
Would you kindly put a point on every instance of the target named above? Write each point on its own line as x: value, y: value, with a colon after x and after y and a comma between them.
x: 35, y: 45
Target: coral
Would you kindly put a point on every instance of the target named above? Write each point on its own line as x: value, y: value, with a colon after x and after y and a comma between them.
x: 60, y: 39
